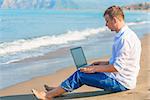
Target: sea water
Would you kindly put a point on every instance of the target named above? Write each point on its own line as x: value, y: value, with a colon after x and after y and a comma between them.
x: 37, y: 42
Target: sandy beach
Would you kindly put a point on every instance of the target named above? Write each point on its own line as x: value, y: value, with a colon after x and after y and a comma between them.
x: 141, y: 92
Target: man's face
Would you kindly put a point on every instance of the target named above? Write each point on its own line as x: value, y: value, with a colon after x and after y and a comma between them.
x: 110, y: 23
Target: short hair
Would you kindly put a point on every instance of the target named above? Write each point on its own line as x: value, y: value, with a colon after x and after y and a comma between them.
x: 114, y: 11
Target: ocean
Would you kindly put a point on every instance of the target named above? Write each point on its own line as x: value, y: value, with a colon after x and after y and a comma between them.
x: 36, y: 42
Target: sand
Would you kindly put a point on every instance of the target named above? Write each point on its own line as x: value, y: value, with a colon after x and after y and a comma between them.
x: 141, y: 92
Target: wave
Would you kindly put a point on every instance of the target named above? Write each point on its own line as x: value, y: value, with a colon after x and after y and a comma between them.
x: 23, y: 45
x: 25, y: 48
x: 138, y: 23
x: 30, y: 44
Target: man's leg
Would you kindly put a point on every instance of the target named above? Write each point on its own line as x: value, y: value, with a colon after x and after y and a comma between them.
x: 76, y: 80
x: 73, y: 82
x: 55, y: 92
x: 99, y: 80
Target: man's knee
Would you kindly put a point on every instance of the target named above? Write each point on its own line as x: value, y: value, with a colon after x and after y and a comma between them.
x: 81, y: 74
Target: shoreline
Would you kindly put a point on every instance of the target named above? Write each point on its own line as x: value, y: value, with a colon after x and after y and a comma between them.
x: 61, y: 72
x: 142, y: 90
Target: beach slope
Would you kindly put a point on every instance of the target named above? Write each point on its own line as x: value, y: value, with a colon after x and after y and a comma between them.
x: 142, y: 91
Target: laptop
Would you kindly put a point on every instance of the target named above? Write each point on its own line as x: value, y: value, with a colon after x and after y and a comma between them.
x: 79, y: 57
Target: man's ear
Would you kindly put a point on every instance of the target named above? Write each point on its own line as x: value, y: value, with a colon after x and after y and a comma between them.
x: 115, y: 19
x: 118, y: 19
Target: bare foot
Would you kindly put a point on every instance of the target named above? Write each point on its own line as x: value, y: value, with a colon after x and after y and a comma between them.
x: 39, y: 95
x: 47, y: 88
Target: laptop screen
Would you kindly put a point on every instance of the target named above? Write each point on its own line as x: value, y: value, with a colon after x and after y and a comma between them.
x: 78, y: 57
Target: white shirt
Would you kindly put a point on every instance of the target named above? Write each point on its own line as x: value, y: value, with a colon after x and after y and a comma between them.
x: 126, y: 53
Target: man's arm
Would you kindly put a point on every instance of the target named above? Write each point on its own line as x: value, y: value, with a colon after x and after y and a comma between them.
x: 99, y: 68
x: 100, y: 63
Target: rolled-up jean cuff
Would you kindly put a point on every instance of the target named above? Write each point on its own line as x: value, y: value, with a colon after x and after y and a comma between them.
x: 66, y: 89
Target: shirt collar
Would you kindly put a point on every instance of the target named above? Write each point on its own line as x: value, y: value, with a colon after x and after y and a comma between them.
x: 120, y: 33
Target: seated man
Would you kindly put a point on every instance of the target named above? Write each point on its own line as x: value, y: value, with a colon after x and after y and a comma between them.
x: 118, y: 74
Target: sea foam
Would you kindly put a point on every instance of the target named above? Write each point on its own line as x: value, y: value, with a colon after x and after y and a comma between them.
x: 23, y: 45
x: 138, y: 23
x: 26, y: 48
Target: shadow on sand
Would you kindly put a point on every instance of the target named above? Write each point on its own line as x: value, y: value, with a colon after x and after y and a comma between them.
x: 63, y: 97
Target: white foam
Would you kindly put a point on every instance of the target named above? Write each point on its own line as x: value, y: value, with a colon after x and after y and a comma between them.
x: 30, y: 44
x: 138, y: 23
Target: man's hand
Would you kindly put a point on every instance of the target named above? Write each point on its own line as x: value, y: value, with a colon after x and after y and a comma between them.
x: 96, y: 63
x: 98, y: 68
x: 100, y: 63
x: 89, y: 69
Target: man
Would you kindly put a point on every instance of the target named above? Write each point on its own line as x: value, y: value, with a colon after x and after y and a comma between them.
x: 117, y: 74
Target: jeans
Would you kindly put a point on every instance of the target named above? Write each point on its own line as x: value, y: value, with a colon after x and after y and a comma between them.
x: 99, y: 80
